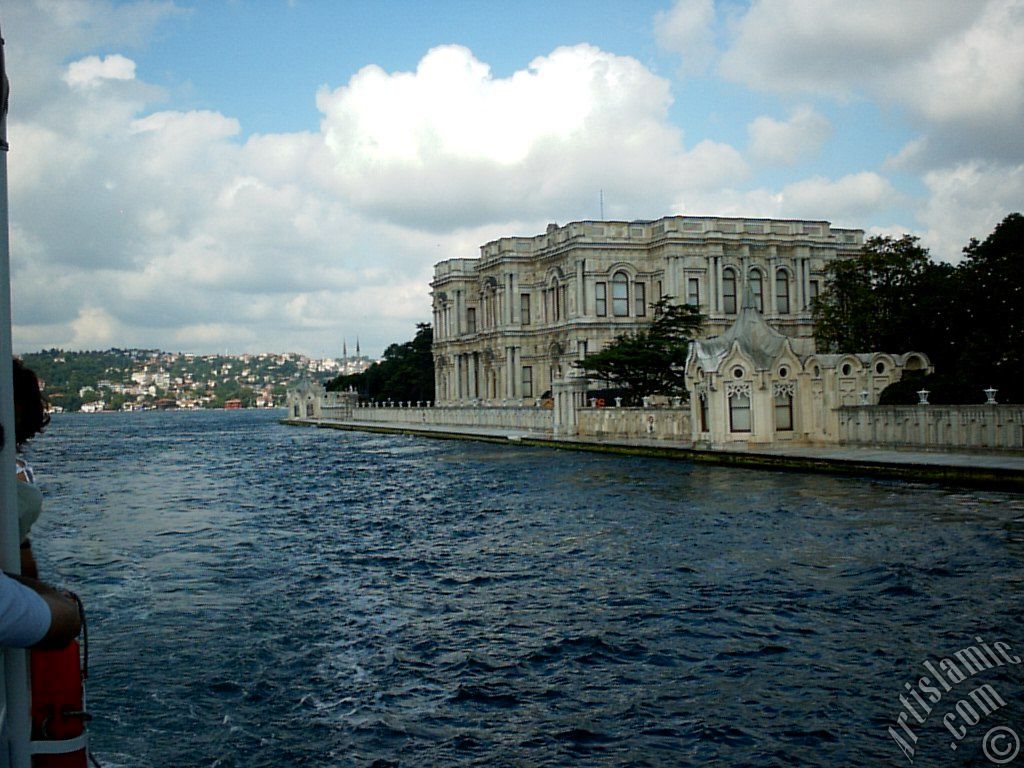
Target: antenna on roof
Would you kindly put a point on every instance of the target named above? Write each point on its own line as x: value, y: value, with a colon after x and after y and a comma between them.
x: 602, y: 205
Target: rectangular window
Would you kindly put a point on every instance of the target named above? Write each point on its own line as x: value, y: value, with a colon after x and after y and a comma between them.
x: 620, y: 297
x: 757, y: 288
x: 640, y: 299
x: 703, y: 403
x: 728, y: 291
x: 524, y: 308
x: 693, y: 292
x: 784, y: 412
x: 739, y: 413
x: 601, y: 299
x: 471, y: 320
x: 657, y: 292
x: 527, y: 381
x: 782, y: 292
x: 812, y: 293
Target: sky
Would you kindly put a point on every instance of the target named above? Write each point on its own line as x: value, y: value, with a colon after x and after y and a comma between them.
x: 281, y: 176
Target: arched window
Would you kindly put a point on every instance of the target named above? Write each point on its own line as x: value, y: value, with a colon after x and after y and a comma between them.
x: 757, y: 289
x: 556, y: 299
x: 729, y: 291
x: 739, y: 410
x: 783, y: 411
x: 782, y: 292
x: 620, y: 294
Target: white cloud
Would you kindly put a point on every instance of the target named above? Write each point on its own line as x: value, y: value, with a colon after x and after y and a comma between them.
x: 784, y: 143
x: 171, y: 228
x: 835, y: 47
x: 857, y: 197
x: 94, y: 328
x: 687, y: 29
x: 450, y: 145
x: 848, y: 201
x: 92, y: 70
x: 955, y: 66
x: 968, y: 200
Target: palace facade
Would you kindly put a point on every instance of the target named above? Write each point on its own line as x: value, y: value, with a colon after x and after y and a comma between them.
x: 510, y: 323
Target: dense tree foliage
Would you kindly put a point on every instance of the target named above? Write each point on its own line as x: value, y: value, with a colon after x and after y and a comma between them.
x: 878, y: 301
x: 72, y: 378
x: 967, y: 318
x: 406, y: 373
x: 649, y: 361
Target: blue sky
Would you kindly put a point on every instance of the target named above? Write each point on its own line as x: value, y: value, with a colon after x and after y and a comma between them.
x: 280, y: 176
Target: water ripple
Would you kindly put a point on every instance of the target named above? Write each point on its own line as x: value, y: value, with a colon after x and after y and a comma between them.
x: 263, y: 596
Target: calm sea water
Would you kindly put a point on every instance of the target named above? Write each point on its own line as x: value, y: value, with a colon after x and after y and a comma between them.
x: 262, y: 595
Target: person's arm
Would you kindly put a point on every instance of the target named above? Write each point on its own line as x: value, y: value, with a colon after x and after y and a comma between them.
x: 65, y: 620
x: 28, y: 561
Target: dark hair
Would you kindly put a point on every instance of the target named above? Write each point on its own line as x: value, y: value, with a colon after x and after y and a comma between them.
x: 30, y: 416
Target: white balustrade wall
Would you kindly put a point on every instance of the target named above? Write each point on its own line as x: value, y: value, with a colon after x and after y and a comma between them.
x: 928, y: 427
x: 936, y: 427
x: 665, y: 423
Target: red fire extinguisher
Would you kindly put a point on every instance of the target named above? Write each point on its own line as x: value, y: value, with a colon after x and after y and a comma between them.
x: 59, y: 736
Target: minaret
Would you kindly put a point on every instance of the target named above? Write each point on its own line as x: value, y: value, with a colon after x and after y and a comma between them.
x: 344, y: 356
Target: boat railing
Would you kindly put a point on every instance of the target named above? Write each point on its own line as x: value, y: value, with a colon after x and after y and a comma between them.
x: 14, y: 704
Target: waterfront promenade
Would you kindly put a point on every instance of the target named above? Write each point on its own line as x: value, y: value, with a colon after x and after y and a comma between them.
x: 975, y: 469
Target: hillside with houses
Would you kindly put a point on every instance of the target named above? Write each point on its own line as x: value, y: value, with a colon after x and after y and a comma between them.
x: 137, y: 379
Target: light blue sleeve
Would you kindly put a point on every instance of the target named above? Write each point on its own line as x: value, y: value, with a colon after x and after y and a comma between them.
x: 24, y: 615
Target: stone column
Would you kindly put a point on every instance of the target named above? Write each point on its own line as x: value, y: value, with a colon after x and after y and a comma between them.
x: 517, y: 374
x: 570, y: 395
x: 511, y: 300
x: 799, y: 297
x: 716, y: 269
x: 514, y: 302
x: 771, y: 309
x: 510, y: 372
x: 581, y: 309
x: 741, y: 288
x: 803, y: 257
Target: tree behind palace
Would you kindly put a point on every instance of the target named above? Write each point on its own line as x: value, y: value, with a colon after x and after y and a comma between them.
x: 968, y: 318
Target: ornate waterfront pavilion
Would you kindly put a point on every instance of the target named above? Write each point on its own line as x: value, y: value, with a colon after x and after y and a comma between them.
x: 510, y: 323
x: 752, y: 384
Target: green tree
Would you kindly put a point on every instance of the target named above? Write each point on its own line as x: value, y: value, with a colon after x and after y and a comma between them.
x: 991, y: 313
x: 649, y: 361
x: 405, y: 374
x: 968, y: 319
x: 892, y: 298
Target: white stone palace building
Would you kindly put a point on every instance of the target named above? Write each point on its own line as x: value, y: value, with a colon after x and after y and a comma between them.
x: 510, y: 323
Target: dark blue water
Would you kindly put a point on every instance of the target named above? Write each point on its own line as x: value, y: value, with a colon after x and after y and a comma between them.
x: 262, y: 595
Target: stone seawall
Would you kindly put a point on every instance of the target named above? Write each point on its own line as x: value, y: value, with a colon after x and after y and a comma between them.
x: 934, y: 427
x: 492, y: 417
